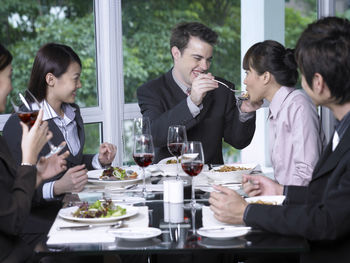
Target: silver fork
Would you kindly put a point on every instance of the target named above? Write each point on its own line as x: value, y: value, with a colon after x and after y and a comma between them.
x: 226, y: 86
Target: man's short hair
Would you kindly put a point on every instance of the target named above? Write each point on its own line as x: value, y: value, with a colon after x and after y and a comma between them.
x: 324, y: 48
x: 182, y: 32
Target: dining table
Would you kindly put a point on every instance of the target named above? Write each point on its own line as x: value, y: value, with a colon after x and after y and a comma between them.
x: 172, y: 230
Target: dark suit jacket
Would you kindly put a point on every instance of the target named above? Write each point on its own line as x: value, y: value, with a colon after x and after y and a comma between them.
x: 17, y: 186
x: 319, y: 212
x: 43, y: 212
x: 163, y: 101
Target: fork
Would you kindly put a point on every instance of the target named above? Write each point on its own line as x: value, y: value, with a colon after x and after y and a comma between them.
x: 226, y: 86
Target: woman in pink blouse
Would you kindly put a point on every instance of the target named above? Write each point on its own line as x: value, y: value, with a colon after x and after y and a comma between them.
x: 296, y: 136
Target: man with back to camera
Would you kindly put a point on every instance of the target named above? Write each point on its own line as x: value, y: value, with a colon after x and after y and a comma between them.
x: 320, y: 212
x: 189, y: 95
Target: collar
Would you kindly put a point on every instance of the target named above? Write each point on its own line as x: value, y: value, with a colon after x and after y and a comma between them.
x: 278, y: 99
x: 49, y: 112
x: 342, y: 126
x: 180, y: 84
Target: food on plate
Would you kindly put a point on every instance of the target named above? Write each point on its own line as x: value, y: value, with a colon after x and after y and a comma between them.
x: 227, y: 168
x: 172, y: 161
x: 99, y: 209
x: 117, y: 173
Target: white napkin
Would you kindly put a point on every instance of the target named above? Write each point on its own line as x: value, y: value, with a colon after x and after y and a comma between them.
x: 92, y: 235
x: 208, y: 219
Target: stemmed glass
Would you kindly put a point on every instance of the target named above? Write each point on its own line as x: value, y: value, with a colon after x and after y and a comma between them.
x: 192, y: 161
x: 143, y: 153
x: 176, y: 137
x: 29, y: 115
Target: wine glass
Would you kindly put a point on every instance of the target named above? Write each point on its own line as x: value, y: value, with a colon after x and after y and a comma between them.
x: 176, y: 137
x: 143, y: 153
x: 192, y: 161
x: 142, y: 126
x: 29, y: 114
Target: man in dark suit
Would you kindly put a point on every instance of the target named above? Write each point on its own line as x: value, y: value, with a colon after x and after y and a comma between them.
x: 188, y: 95
x: 319, y: 212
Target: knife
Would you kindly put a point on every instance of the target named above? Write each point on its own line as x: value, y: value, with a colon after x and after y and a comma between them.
x: 82, y: 227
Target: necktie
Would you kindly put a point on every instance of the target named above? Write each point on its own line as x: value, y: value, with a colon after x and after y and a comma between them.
x: 335, y: 141
x: 188, y: 91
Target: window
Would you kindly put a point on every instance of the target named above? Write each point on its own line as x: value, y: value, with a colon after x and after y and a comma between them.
x: 29, y: 24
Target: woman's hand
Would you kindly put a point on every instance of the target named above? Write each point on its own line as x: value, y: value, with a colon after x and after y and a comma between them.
x: 49, y: 167
x: 34, y: 139
x: 106, y: 153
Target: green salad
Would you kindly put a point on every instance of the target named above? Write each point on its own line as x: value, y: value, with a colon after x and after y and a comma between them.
x: 99, y: 210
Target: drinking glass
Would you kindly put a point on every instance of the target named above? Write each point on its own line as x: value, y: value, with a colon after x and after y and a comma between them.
x: 192, y: 162
x: 143, y: 153
x: 141, y: 126
x: 29, y: 114
x: 176, y: 137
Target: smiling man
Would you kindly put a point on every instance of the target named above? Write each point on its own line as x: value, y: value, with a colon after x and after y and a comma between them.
x: 189, y: 95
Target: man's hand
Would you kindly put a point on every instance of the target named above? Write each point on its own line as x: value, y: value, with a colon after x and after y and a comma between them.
x: 249, y: 106
x: 227, y: 205
x: 49, y: 167
x: 106, y: 153
x: 73, y: 180
x: 255, y: 185
x: 200, y: 86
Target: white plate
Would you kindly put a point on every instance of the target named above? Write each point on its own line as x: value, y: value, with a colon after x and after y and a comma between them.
x: 67, y: 213
x: 94, y: 176
x: 170, y: 169
x: 230, y: 177
x: 136, y: 233
x: 274, y: 199
x: 223, y: 234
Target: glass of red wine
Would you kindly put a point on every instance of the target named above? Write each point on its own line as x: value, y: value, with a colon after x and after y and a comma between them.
x: 176, y: 137
x: 192, y: 162
x: 143, y: 153
x: 28, y: 112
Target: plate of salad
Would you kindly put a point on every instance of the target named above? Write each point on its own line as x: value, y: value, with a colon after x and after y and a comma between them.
x: 115, y: 175
x: 98, y: 212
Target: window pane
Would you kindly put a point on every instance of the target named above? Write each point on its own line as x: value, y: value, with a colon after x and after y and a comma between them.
x: 128, y: 142
x: 146, y: 33
x: 342, y: 8
x: 28, y: 24
x: 92, y: 138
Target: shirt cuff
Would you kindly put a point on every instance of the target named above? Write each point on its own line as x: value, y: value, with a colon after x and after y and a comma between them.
x: 96, y: 163
x: 244, y: 116
x: 246, y: 211
x: 194, y: 109
x: 48, y: 190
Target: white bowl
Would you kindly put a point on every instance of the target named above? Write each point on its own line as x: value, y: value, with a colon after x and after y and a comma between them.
x: 231, y: 176
x: 273, y: 199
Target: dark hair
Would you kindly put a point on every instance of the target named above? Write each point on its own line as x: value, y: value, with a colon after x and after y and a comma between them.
x: 182, y: 32
x: 324, y: 48
x: 51, y: 58
x: 5, y: 57
x: 273, y: 57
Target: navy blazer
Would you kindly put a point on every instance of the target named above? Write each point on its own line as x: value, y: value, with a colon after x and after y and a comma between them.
x: 17, y: 186
x: 44, y: 212
x: 163, y: 101
x: 319, y: 212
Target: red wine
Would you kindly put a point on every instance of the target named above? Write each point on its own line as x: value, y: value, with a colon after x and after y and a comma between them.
x: 175, y: 148
x: 192, y: 168
x: 28, y: 117
x: 144, y: 159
